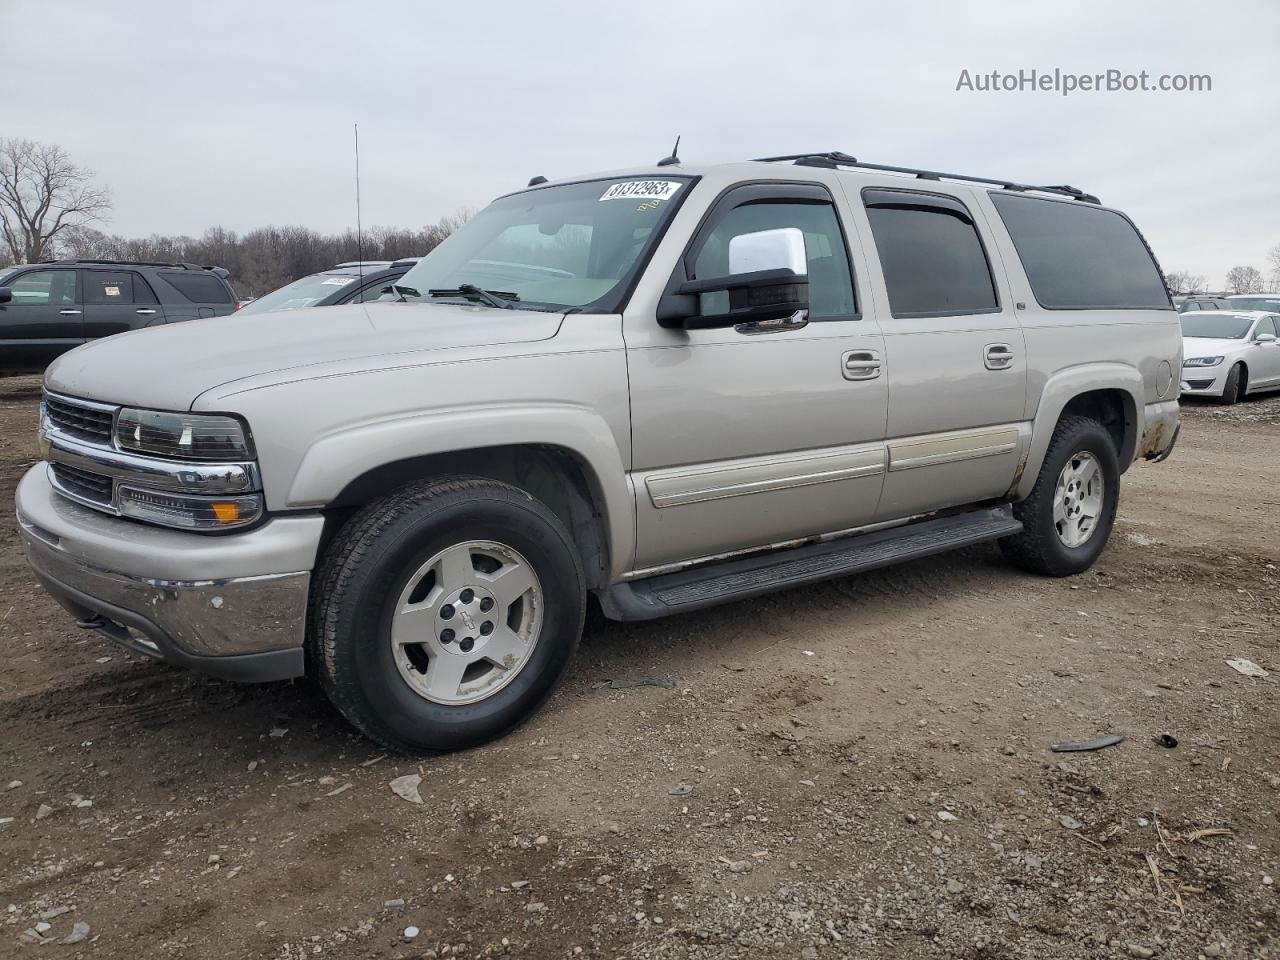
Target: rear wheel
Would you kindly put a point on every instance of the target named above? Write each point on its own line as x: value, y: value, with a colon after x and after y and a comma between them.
x: 1237, y: 384
x: 1068, y: 517
x: 444, y: 614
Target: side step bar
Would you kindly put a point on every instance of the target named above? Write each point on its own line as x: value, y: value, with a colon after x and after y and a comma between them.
x: 753, y: 576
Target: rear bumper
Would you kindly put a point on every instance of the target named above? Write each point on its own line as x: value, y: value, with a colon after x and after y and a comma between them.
x: 1161, y: 424
x: 233, y: 606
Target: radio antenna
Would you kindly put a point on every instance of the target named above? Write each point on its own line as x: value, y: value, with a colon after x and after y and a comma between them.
x: 359, y: 229
x: 674, y: 159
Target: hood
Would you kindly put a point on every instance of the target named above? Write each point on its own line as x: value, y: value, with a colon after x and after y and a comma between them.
x: 1209, y: 346
x: 167, y: 367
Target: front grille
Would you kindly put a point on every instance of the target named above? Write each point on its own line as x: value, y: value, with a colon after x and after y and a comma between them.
x: 91, y: 424
x: 81, y: 483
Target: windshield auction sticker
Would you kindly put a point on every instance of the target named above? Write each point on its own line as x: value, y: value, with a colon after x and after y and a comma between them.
x: 642, y: 190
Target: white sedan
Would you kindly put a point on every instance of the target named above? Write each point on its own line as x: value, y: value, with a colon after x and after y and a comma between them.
x: 1228, y: 353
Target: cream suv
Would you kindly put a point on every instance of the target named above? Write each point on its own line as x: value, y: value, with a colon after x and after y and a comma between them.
x: 671, y: 387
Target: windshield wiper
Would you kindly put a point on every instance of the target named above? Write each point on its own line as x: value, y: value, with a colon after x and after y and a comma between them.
x: 403, y: 292
x: 493, y: 298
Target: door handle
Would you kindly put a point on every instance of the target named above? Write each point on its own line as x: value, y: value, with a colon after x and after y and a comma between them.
x: 860, y: 364
x: 69, y: 313
x: 998, y: 356
x: 144, y: 310
x: 794, y: 322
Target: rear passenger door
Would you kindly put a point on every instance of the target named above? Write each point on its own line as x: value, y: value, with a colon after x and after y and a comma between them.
x: 44, y: 318
x: 954, y: 354
x: 116, y: 301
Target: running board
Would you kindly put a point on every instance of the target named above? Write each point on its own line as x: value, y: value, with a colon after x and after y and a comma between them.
x: 753, y: 576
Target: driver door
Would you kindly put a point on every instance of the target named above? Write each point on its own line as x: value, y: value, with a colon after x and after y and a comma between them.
x: 752, y: 435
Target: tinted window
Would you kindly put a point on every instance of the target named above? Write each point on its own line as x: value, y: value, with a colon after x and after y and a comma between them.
x: 198, y: 287
x: 1080, y: 256
x: 830, y: 285
x: 932, y: 257
x: 372, y: 291
x: 1215, y: 325
x: 103, y: 288
x: 41, y: 287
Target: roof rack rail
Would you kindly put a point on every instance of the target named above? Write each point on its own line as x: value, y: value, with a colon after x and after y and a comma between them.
x: 134, y: 263
x: 834, y: 158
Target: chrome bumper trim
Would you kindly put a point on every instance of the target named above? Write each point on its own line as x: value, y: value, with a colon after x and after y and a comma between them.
x: 202, y: 618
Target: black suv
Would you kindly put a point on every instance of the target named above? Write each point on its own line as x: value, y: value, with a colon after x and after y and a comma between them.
x: 48, y: 308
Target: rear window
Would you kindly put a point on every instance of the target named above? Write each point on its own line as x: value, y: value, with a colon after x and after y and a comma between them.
x: 1081, y: 257
x: 198, y: 287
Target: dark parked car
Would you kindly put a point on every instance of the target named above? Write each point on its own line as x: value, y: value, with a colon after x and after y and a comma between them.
x: 48, y: 308
x: 353, y: 282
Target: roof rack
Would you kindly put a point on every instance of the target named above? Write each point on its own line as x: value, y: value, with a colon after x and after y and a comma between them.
x: 135, y: 263
x: 834, y: 158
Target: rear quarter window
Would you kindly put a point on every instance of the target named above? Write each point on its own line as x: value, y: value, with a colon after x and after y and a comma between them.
x: 1078, y: 256
x: 198, y: 287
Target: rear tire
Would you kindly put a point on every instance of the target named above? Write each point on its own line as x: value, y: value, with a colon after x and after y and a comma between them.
x: 1069, y: 515
x: 1237, y: 384
x: 405, y: 677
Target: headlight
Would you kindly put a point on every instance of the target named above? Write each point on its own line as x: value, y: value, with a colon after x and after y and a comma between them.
x: 1202, y: 361
x: 186, y: 436
x: 188, y: 513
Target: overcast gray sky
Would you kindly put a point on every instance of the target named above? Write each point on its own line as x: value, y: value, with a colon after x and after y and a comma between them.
x: 240, y: 113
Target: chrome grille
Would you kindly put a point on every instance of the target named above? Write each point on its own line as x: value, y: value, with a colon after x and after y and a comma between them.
x: 90, y: 423
x: 92, y: 487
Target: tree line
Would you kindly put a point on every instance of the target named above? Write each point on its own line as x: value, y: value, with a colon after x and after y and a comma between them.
x: 48, y: 203
x: 263, y: 259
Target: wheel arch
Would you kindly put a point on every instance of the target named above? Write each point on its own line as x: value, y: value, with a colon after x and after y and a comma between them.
x: 1111, y: 393
x: 564, y: 456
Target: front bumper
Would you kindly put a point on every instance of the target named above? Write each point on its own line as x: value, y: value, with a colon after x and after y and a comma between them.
x: 1205, y: 381
x: 232, y: 606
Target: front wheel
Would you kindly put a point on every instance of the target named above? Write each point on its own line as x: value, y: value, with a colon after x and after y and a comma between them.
x: 1068, y: 517
x: 1235, y: 385
x: 444, y: 614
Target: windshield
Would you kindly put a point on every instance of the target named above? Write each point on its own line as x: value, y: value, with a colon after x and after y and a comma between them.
x: 1216, y: 325
x: 572, y: 246
x: 301, y: 293
x: 1270, y: 304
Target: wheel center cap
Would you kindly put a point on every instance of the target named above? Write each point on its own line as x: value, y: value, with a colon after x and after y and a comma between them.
x: 467, y: 619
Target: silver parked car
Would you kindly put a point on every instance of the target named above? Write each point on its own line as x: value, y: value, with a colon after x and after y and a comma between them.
x: 671, y: 388
x: 1229, y: 353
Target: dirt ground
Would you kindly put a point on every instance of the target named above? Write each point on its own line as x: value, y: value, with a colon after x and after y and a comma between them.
x: 860, y: 769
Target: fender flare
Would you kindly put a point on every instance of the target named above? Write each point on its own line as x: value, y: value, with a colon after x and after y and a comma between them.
x: 1063, y: 387
x: 338, y: 458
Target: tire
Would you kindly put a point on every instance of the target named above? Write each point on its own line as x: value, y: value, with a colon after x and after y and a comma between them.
x: 1041, y: 547
x: 1237, y: 384
x: 381, y: 571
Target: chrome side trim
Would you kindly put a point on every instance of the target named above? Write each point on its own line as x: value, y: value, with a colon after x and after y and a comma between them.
x: 736, y: 478
x: 174, y: 476
x: 935, y: 448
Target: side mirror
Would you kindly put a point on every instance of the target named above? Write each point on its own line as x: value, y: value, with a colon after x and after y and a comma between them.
x: 1260, y: 338
x: 6, y: 295
x: 767, y: 281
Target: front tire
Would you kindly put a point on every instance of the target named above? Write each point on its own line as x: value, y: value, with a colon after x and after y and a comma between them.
x: 1072, y: 508
x: 1236, y: 384
x: 443, y: 615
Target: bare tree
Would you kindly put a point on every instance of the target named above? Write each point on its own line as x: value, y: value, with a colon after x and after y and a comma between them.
x: 1184, y: 281
x: 1273, y: 260
x: 1244, y: 280
x: 42, y: 194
